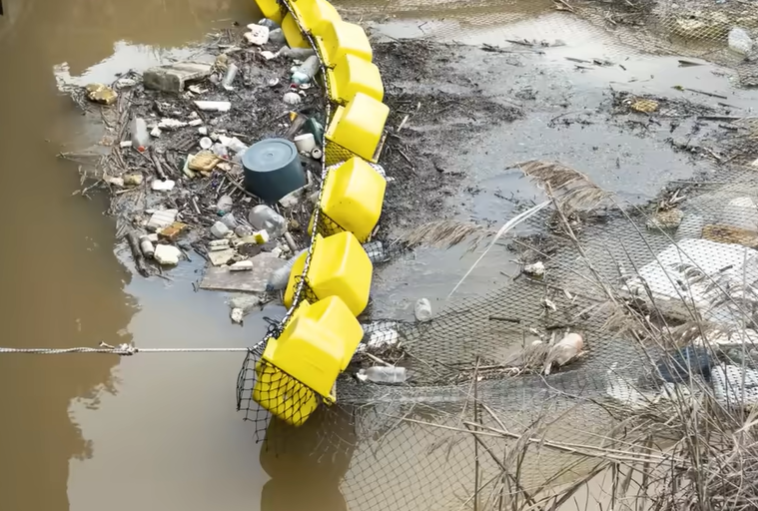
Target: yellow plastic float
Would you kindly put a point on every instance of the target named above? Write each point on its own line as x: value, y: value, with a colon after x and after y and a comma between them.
x: 292, y: 33
x: 356, y: 128
x: 340, y: 38
x: 351, y: 75
x: 315, y: 15
x: 353, y: 197
x: 271, y: 10
x: 316, y: 345
x: 339, y: 267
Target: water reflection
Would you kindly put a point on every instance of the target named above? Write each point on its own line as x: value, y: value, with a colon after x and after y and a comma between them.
x: 61, y: 283
x: 308, y: 463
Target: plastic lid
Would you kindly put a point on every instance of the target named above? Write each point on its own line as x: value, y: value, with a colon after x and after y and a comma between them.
x: 269, y: 155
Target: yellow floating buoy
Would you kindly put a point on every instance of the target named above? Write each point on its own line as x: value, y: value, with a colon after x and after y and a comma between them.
x: 340, y: 38
x: 356, y: 128
x: 339, y: 267
x: 315, y: 15
x: 292, y: 33
x: 352, y: 198
x: 271, y: 9
x: 350, y: 75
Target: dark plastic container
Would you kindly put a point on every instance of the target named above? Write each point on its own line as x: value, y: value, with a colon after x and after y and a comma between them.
x: 272, y: 169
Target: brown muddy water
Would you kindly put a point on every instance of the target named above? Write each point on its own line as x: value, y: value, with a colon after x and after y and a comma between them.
x: 92, y: 432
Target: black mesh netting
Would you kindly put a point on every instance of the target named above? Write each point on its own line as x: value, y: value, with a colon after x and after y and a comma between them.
x: 407, y: 444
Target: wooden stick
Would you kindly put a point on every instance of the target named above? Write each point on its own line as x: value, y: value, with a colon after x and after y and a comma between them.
x: 139, y: 258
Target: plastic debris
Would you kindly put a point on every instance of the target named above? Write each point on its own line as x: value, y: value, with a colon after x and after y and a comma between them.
x: 195, y: 122
x: 224, y: 205
x: 292, y: 98
x: 99, y: 93
x: 221, y: 257
x: 263, y: 217
x: 382, y: 374
x: 241, y: 266
x: 171, y: 124
x: 683, y: 364
x: 203, y: 161
x: 202, y: 131
x: 258, y: 35
x: 231, y: 74
x: 535, y: 270
x: 276, y: 36
x: 279, y: 278
x: 147, y: 247
x: 381, y: 339
x: 155, y: 132
x: 173, y: 77
x: 215, y: 245
x: 229, y: 221
x: 162, y: 186
x: 173, y: 231
x: 125, y: 143
x: 564, y: 352
x: 206, y: 143
x: 237, y: 315
x: 214, y: 106
x: 740, y: 41
x: 140, y: 136
x: 317, y: 153
x: 307, y: 70
x: 219, y: 230
x: 423, y: 310
x: 161, y: 219
x: 645, y: 106
x: 167, y: 255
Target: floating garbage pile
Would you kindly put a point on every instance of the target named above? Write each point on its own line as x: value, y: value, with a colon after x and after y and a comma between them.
x: 220, y: 156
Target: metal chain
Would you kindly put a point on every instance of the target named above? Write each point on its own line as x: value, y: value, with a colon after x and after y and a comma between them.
x: 126, y: 350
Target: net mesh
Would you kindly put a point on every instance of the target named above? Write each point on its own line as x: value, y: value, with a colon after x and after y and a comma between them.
x: 409, y: 445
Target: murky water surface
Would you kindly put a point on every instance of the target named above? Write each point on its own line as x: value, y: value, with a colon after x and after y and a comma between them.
x: 96, y: 432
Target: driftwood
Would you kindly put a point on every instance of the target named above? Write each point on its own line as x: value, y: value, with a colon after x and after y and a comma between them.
x: 139, y: 258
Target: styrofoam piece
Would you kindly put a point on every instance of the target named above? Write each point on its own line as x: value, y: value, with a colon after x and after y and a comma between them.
x: 214, y: 106
x: 735, y: 386
x: 687, y: 273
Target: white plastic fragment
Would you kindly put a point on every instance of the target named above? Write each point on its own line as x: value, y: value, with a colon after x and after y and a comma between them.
x: 258, y: 35
x: 113, y: 180
x: 241, y: 266
x: 167, y: 255
x: 219, y: 230
x: 163, y: 186
x: 206, y: 143
x: 202, y: 131
x: 161, y: 219
x: 156, y: 132
x: 535, y: 270
x: 195, y: 122
x: 423, y: 310
x: 740, y: 41
x: 292, y: 98
x: 171, y: 124
x: 125, y: 143
x: 237, y: 316
x: 214, y: 106
x: 380, y: 339
x: 268, y: 55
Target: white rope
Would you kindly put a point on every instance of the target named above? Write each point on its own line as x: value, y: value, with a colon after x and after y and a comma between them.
x: 122, y: 349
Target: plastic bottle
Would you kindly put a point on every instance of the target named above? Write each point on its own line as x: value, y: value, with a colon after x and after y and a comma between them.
x: 147, y: 247
x: 140, y: 135
x: 307, y: 70
x: 231, y: 73
x: 279, y: 278
x: 740, y: 41
x: 382, y: 374
x: 423, y: 310
x: 296, y: 53
x: 264, y: 218
x: 224, y: 205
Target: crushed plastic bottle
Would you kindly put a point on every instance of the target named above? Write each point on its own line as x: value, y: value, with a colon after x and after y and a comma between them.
x: 381, y: 374
x: 140, y: 135
x: 307, y: 70
x: 740, y: 41
x: 263, y: 217
x: 279, y: 278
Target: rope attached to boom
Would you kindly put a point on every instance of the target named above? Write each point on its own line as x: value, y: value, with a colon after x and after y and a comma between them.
x: 125, y: 350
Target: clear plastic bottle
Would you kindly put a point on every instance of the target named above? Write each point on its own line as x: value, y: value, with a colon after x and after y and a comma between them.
x: 279, y: 278
x: 140, y: 135
x: 381, y: 374
x: 307, y: 70
x: 231, y: 74
x: 263, y: 217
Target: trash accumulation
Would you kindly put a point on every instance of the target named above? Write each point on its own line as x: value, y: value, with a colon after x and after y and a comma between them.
x: 212, y: 157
